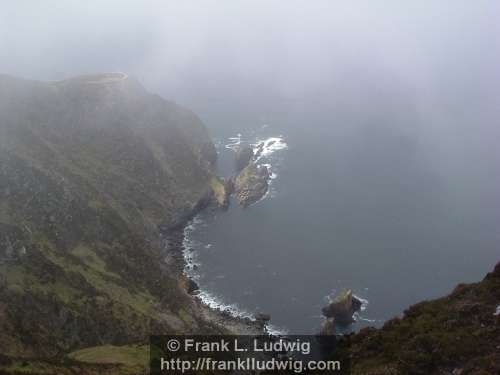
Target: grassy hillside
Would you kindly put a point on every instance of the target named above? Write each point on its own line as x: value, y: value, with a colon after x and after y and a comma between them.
x: 457, y: 334
x: 90, y: 169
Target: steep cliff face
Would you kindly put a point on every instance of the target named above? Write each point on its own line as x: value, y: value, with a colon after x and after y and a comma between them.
x: 90, y: 168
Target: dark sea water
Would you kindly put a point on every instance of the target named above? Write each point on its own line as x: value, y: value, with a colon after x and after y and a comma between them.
x: 371, y: 208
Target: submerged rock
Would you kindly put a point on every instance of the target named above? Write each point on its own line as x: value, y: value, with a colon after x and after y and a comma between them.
x: 251, y: 184
x: 244, y: 156
x: 343, y: 307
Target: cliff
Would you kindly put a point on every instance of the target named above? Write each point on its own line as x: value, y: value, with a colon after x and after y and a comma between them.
x: 90, y: 169
x: 457, y: 335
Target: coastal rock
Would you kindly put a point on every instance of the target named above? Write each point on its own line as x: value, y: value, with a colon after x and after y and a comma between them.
x: 222, y: 190
x: 262, y: 317
x: 328, y: 327
x: 343, y: 307
x: 251, y: 184
x: 192, y: 287
x: 244, y: 154
x: 258, y: 150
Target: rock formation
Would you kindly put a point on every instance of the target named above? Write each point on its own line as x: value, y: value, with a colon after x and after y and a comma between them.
x: 222, y: 189
x: 342, y: 308
x: 244, y: 155
x: 251, y: 184
x: 262, y: 319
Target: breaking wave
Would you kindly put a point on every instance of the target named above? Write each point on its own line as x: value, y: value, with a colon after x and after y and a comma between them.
x: 209, y: 298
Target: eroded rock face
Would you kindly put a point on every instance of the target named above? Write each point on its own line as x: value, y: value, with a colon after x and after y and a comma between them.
x: 251, y: 184
x: 343, y: 307
x: 244, y: 156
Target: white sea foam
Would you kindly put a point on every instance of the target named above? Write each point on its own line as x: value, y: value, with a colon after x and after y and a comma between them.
x: 264, y: 148
x: 274, y: 330
x: 208, y: 298
x: 359, y: 317
x: 215, y: 302
x: 234, y: 142
x: 267, y: 147
x: 272, y: 174
x: 364, y: 302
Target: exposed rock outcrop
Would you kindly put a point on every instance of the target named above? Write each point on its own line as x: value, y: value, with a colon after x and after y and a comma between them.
x: 251, y: 184
x: 262, y: 319
x: 343, y: 307
x: 244, y: 155
x: 222, y: 189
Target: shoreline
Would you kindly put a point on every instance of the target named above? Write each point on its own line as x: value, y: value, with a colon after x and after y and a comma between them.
x: 176, y: 256
x: 227, y: 313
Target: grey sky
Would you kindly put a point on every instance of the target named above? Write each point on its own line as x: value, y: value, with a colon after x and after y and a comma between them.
x: 292, y: 45
x: 427, y: 70
x: 444, y: 56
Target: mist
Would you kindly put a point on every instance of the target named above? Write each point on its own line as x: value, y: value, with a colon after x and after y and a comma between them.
x: 401, y: 98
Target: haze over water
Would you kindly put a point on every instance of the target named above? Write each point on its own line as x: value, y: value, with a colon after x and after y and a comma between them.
x: 364, y: 210
x: 390, y: 110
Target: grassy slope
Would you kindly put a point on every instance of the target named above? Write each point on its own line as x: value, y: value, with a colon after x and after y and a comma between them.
x: 87, y: 174
x: 459, y: 332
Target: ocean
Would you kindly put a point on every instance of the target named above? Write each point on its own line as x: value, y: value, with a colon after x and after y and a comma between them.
x: 359, y: 207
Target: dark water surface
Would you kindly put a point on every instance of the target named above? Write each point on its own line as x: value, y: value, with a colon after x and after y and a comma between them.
x: 361, y: 207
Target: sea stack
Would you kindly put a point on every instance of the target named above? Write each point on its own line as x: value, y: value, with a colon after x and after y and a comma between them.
x: 343, y: 307
x: 251, y: 184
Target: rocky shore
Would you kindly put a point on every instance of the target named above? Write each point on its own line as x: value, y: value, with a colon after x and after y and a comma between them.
x: 175, y: 255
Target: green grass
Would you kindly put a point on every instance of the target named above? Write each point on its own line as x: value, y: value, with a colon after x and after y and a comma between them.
x: 219, y: 189
x: 92, y: 260
x: 94, y: 272
x: 128, y: 355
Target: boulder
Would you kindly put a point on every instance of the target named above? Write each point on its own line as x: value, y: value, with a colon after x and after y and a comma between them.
x: 343, y: 307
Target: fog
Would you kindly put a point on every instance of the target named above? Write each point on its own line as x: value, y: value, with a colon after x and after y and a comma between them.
x: 240, y: 61
x: 386, y: 81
